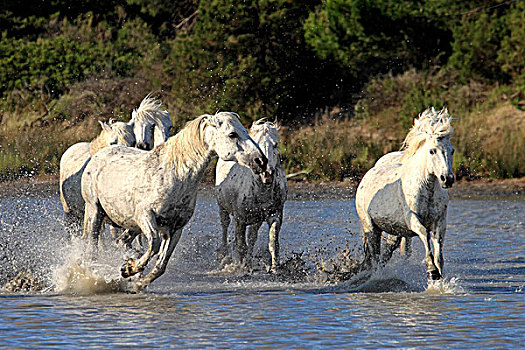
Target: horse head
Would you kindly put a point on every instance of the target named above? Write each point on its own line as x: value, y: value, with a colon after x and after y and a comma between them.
x: 124, y: 134
x: 118, y: 133
x: 266, y: 135
x: 439, y: 160
x: 230, y: 141
x: 430, y: 138
x: 151, y: 124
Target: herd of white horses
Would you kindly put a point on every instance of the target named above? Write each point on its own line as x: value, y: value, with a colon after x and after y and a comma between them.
x: 137, y: 179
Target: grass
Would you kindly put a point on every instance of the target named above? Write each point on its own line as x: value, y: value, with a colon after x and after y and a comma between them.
x: 489, y: 127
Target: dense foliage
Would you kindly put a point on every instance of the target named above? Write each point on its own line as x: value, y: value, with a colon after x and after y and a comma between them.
x: 376, y: 62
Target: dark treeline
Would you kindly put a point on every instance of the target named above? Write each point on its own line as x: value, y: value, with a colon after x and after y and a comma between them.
x: 63, y: 61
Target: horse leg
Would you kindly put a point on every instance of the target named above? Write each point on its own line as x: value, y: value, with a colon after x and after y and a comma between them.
x: 126, y: 238
x: 392, y: 243
x: 437, y: 241
x: 253, y: 231
x: 225, y: 222
x: 405, y: 248
x: 371, y: 244
x: 93, y: 218
x: 114, y: 231
x: 273, y: 243
x: 240, y: 239
x: 167, y: 246
x: 148, y: 225
x: 424, y: 235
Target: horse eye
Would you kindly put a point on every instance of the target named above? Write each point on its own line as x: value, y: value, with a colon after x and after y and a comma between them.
x: 233, y: 135
x: 432, y: 151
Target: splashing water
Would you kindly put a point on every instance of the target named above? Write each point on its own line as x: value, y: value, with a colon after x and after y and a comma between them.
x: 445, y: 286
x: 84, y: 272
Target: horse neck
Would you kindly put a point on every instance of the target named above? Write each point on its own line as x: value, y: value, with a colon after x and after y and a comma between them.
x: 186, y: 155
x: 97, y: 144
x: 416, y: 178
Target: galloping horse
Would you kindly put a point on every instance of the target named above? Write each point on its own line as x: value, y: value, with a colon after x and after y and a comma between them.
x: 148, y: 127
x: 151, y: 125
x: 409, y: 197
x: 252, y: 199
x: 405, y: 245
x: 155, y: 192
x: 74, y: 161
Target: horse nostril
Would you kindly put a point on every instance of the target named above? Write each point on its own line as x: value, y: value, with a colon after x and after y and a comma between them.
x: 143, y: 146
x: 450, y: 180
x: 261, y: 162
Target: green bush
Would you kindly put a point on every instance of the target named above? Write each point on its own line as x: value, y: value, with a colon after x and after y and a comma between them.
x: 367, y: 37
x: 248, y: 57
x: 47, y: 66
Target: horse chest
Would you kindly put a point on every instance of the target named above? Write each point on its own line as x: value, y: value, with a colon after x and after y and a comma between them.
x: 256, y: 207
x: 176, y: 211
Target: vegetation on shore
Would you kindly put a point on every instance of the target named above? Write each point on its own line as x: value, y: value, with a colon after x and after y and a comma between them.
x: 344, y: 77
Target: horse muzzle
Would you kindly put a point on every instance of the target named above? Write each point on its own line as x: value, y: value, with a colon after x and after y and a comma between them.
x: 267, y: 176
x: 448, y: 181
x: 259, y: 164
x: 143, y: 146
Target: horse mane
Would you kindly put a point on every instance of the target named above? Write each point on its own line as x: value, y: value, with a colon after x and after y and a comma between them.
x: 150, y: 111
x: 429, y: 123
x: 98, y: 143
x: 124, y: 133
x: 262, y: 125
x: 186, y: 148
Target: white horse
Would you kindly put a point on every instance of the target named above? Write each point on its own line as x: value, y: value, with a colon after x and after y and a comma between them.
x: 155, y: 192
x: 410, y: 197
x: 252, y: 199
x: 75, y: 159
x: 405, y: 244
x: 151, y: 125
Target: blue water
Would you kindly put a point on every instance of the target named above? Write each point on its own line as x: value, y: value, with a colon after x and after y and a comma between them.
x: 196, y: 304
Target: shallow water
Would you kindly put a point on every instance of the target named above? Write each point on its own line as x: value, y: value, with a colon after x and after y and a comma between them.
x: 198, y: 304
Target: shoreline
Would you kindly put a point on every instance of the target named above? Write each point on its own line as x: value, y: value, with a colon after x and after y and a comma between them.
x: 47, y: 185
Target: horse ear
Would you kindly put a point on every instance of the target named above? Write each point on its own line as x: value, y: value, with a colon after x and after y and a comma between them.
x: 104, y: 126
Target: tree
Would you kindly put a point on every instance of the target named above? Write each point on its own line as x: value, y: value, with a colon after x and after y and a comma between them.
x: 366, y: 37
x: 247, y: 56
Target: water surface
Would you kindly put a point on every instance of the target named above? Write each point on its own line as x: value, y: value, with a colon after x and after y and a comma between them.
x: 197, y: 304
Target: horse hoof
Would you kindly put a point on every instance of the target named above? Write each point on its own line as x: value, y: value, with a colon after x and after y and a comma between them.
x: 139, y: 286
x: 128, y: 269
x: 433, y: 275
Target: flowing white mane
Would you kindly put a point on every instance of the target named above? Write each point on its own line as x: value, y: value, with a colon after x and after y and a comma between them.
x: 429, y: 123
x: 187, y: 144
x: 263, y: 126
x: 124, y: 133
x: 150, y: 111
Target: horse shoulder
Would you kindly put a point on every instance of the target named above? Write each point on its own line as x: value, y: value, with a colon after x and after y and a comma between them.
x: 392, y: 157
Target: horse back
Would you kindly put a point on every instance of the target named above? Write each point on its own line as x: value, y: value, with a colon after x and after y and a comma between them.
x: 72, y: 165
x: 379, y: 199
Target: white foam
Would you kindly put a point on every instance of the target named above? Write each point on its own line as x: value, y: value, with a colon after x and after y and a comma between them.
x: 445, y: 286
x: 86, y: 272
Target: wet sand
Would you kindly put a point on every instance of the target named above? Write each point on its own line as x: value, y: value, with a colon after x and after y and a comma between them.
x: 298, y: 190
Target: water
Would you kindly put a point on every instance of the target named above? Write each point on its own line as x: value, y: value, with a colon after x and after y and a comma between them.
x: 197, y: 304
